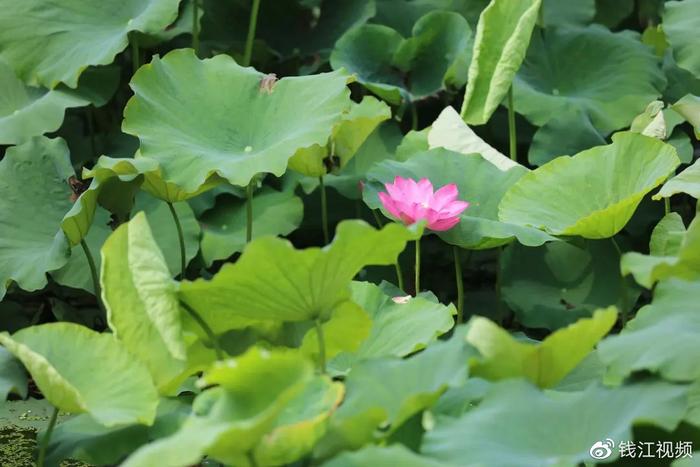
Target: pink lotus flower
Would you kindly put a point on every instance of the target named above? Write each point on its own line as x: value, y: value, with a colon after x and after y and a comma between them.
x: 411, y: 201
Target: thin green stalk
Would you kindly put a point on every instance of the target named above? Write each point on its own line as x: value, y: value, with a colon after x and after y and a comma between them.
x: 252, y: 24
x: 623, y: 289
x: 195, y: 25
x: 512, y: 137
x: 667, y: 205
x: 251, y: 459
x: 397, y: 264
x: 93, y: 271
x: 46, y: 438
x: 377, y: 219
x: 460, y: 285
x: 321, y: 346
x: 249, y: 212
x: 205, y: 327
x: 324, y: 210
x: 399, y: 275
x: 135, y: 53
x: 417, y: 267
x: 181, y: 238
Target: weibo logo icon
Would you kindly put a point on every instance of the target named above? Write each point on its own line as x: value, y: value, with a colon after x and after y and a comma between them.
x: 602, y: 449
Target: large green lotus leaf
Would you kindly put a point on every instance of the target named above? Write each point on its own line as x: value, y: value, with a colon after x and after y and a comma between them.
x: 569, y: 133
x: 368, y: 52
x: 380, y: 145
x: 688, y: 181
x: 556, y: 13
x: 402, y: 15
x: 165, y: 232
x: 141, y: 300
x: 82, y: 438
x: 228, y: 421
x: 672, y: 324
x: 668, y: 235
x: 682, y: 262
x: 176, y: 98
x: 91, y: 373
x: 680, y: 81
x: 388, y: 391
x: 13, y: 379
x: 48, y: 42
x: 336, y: 17
x: 540, y: 428
x: 688, y: 107
x: 113, y: 190
x: 401, y: 327
x: 224, y: 226
x: 272, y: 280
x: 502, y: 38
x: 594, y: 193
x: 681, y: 21
x: 437, y: 54
x: 543, y: 363
x: 433, y: 58
x: 612, y: 85
x: 76, y: 272
x: 348, y: 135
x: 450, y: 132
x: 347, y: 327
x: 27, y: 111
x: 680, y: 140
x: 113, y: 184
x: 395, y: 454
x: 480, y: 182
x: 34, y: 197
x: 301, y: 423
x: 414, y: 142
x: 554, y: 285
x: 139, y: 172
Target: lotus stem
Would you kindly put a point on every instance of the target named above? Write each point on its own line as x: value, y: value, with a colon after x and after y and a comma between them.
x: 417, y: 268
x: 460, y: 285
x: 324, y: 210
x: 93, y: 272
x: 397, y: 264
x: 377, y: 219
x: 195, y: 25
x: 249, y: 212
x: 623, y: 289
x: 667, y: 206
x: 205, y: 327
x: 399, y: 274
x: 321, y: 346
x: 181, y: 238
x: 512, y: 136
x: 251, y: 33
x: 46, y: 438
